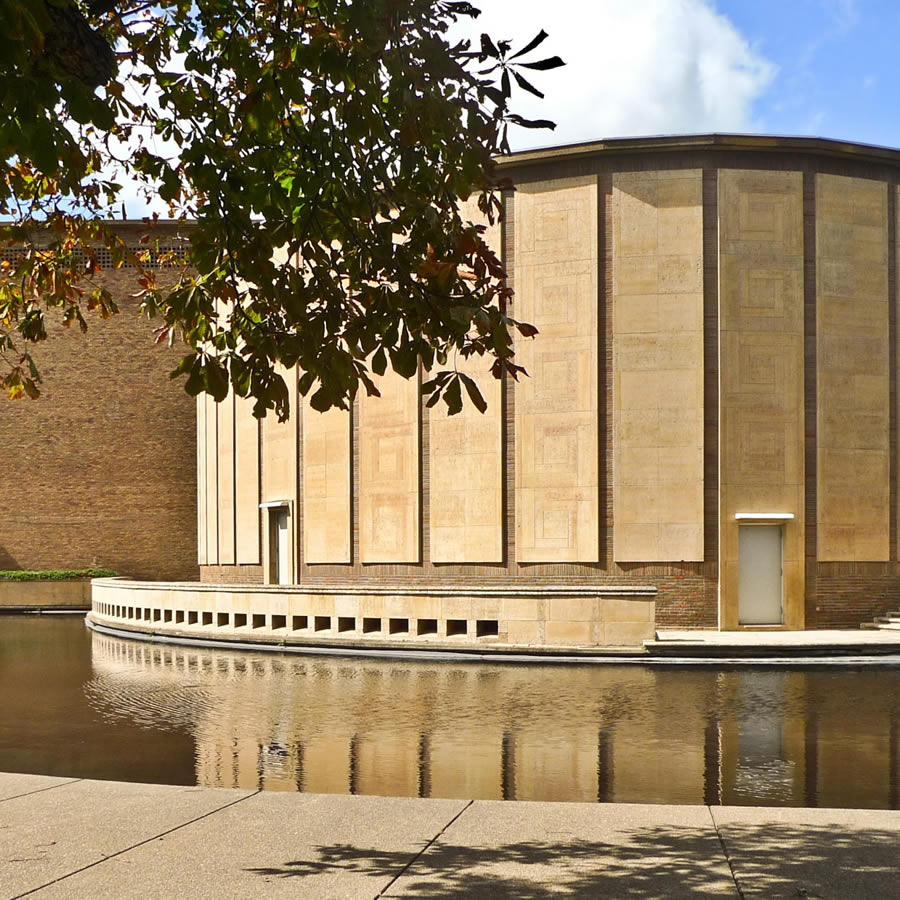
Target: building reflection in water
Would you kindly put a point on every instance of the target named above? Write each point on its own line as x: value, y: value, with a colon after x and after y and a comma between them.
x: 588, y: 733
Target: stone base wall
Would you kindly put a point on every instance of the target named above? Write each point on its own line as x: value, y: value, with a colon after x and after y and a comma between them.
x: 45, y: 594
x: 571, y: 617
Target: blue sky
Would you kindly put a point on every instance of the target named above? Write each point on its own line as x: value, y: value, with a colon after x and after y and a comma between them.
x: 837, y: 66
x: 636, y: 67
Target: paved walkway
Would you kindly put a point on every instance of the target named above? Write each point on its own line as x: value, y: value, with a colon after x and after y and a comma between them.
x: 70, y: 838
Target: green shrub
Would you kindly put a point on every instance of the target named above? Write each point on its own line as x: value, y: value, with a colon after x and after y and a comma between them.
x: 53, y: 574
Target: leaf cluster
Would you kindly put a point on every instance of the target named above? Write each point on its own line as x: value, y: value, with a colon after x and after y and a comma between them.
x: 323, y: 150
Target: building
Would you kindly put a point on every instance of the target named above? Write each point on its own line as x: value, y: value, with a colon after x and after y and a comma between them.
x: 100, y: 470
x: 707, y: 439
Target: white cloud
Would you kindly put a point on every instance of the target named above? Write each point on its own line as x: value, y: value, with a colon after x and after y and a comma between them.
x: 634, y: 67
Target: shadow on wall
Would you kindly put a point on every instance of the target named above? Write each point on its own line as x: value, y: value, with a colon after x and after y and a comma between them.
x: 6, y: 561
x: 773, y: 860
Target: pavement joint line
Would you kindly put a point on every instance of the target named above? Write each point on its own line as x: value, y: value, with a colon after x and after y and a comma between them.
x: 41, y: 790
x: 734, y: 877
x: 424, y: 850
x: 148, y: 840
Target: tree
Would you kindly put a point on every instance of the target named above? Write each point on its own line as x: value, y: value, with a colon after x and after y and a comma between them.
x: 338, y: 135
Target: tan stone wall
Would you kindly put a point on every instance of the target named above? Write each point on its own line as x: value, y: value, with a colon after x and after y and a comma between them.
x: 852, y: 375
x: 697, y: 358
x: 658, y: 366
x: 326, y: 485
x: 557, y: 446
x: 101, y: 469
x: 466, y: 475
x: 389, y: 472
x: 761, y: 417
x: 246, y: 480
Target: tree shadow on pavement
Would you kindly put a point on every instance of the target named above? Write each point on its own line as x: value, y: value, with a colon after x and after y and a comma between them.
x: 771, y: 860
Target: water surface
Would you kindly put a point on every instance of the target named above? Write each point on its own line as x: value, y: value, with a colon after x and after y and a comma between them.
x: 86, y: 705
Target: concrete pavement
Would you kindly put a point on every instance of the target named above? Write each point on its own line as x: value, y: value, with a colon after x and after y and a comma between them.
x: 77, y: 838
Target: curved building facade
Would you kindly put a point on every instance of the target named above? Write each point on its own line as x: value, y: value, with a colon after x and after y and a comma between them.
x: 710, y: 417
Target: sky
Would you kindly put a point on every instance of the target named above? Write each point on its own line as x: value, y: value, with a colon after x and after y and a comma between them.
x: 643, y: 67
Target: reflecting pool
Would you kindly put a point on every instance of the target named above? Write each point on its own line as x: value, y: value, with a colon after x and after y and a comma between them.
x: 86, y: 705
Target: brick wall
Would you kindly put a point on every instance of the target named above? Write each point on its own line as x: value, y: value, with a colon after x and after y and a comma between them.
x: 101, y: 469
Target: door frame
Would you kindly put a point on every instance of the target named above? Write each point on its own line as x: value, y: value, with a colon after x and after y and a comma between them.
x: 269, y: 539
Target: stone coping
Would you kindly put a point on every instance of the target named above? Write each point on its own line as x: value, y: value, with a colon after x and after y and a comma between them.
x: 827, y: 147
x: 357, y: 588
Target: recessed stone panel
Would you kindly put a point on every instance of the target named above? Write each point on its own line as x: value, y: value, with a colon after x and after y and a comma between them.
x: 853, y: 473
x: 211, y: 513
x: 466, y: 475
x: 326, y: 485
x: 247, y: 518
x: 225, y: 441
x: 658, y: 366
x: 389, y: 472
x: 557, y: 449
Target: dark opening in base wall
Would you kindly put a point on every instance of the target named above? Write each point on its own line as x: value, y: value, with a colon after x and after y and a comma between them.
x: 398, y: 626
x: 427, y: 626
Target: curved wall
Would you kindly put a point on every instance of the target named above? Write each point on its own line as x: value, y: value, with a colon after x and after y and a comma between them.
x: 717, y: 349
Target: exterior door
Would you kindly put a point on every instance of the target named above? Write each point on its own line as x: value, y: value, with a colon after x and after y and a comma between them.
x: 279, y: 538
x: 761, y: 587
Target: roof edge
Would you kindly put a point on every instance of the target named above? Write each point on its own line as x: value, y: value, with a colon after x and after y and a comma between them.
x: 712, y: 141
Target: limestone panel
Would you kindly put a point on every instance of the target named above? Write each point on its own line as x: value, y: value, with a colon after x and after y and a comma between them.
x: 246, y: 482
x: 466, y: 475
x: 326, y: 485
x: 557, y: 447
x: 852, y: 362
x: 658, y: 366
x: 201, y: 480
x: 279, y: 441
x: 761, y: 364
x: 389, y: 472
x: 212, y: 479
x: 225, y: 442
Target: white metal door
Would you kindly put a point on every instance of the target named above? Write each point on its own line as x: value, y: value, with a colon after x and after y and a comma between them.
x: 760, y: 578
x: 281, y: 563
